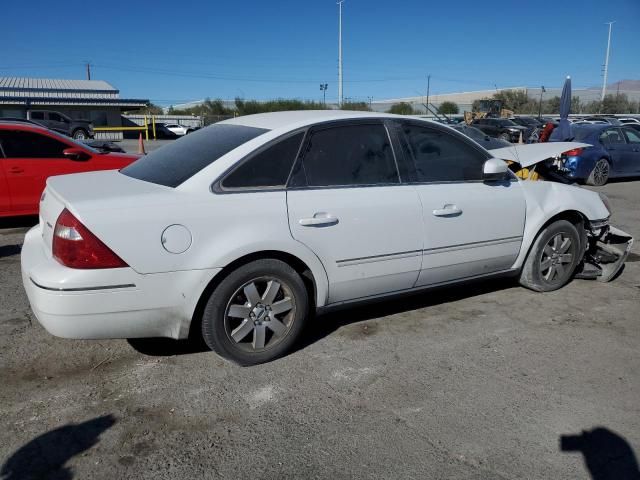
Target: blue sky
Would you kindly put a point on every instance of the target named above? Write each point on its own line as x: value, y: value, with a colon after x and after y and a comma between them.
x: 176, y: 51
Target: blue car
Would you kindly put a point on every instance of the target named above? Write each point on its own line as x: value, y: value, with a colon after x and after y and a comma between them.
x: 615, y: 152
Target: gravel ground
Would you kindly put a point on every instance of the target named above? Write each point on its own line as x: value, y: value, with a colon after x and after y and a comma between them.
x: 473, y: 382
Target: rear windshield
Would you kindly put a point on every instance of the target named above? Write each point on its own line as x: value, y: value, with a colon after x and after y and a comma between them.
x: 181, y: 159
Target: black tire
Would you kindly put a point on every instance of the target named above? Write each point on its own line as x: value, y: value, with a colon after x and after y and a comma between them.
x: 505, y: 136
x: 534, y: 275
x: 230, y: 295
x: 80, y: 134
x: 600, y: 173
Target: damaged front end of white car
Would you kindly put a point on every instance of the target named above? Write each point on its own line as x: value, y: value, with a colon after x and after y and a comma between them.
x: 606, y: 247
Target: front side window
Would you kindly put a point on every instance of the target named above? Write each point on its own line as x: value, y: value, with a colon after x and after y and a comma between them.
x: 55, y: 117
x: 441, y: 157
x: 268, y: 168
x: 21, y: 144
x: 175, y: 163
x: 350, y: 155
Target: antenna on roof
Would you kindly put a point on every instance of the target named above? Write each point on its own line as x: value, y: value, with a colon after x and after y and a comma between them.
x: 88, y: 71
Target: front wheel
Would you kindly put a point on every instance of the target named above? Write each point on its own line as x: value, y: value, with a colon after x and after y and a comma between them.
x: 256, y: 313
x: 505, y: 136
x: 553, y: 258
x: 80, y: 134
x: 600, y: 173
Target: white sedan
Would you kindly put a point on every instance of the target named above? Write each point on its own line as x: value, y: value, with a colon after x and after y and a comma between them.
x: 179, y: 130
x: 239, y: 231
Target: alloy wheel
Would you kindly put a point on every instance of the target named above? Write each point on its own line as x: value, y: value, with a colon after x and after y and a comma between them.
x: 260, y: 314
x: 556, y: 258
x: 601, y: 172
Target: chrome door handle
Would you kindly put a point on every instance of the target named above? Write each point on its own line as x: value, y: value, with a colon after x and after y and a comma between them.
x: 449, y: 210
x: 320, y: 219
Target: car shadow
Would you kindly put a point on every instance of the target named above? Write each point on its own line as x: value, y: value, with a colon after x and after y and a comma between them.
x: 10, y: 250
x: 324, y: 325
x: 327, y: 323
x: 607, y: 455
x: 45, y: 456
x: 25, y: 222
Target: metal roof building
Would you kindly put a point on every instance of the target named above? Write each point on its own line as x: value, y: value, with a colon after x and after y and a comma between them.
x: 94, y: 100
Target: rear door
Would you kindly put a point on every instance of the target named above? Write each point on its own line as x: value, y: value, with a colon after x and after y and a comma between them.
x: 471, y: 227
x: 632, y: 154
x: 614, y: 143
x: 30, y: 158
x: 347, y: 204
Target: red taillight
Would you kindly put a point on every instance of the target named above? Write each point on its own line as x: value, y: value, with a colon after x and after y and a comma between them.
x: 573, y: 153
x: 75, y: 246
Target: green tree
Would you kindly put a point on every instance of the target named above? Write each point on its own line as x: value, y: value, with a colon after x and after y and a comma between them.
x: 361, y: 106
x: 402, y: 108
x: 448, y: 108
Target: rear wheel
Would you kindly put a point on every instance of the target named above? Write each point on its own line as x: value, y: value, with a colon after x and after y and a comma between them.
x: 600, y: 173
x: 505, y: 136
x: 80, y: 134
x: 256, y: 313
x: 553, y: 258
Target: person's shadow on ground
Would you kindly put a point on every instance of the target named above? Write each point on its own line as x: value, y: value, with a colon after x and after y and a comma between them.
x: 607, y: 455
x: 45, y: 456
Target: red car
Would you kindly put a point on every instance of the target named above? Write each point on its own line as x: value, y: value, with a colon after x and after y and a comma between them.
x: 29, y: 154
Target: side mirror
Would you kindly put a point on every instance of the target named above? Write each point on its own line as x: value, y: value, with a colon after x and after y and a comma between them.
x: 494, y: 170
x: 76, y: 154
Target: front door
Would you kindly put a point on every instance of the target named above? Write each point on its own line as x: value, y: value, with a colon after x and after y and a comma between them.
x: 346, y: 203
x: 470, y: 227
x: 632, y: 151
x: 30, y: 158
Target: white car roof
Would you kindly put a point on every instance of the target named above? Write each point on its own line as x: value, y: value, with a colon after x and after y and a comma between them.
x: 298, y: 118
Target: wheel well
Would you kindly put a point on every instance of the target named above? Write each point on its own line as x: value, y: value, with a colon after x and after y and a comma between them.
x: 573, y: 216
x: 294, y: 262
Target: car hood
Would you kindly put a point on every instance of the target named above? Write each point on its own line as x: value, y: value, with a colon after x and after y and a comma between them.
x: 530, y: 154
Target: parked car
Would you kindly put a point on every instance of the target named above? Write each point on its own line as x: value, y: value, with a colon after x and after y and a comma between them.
x: 630, y: 120
x: 480, y: 137
x: 76, y: 129
x: 596, y: 119
x: 237, y: 232
x: 501, y: 128
x: 615, y: 152
x: 179, y: 130
x: 529, y: 122
x: 30, y: 153
x: 104, y: 146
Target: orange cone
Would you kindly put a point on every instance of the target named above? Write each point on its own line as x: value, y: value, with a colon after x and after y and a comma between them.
x: 141, y: 145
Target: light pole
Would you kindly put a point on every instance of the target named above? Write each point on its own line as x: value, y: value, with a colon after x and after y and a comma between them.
x: 428, y: 86
x: 606, y: 64
x: 340, y: 2
x: 323, y: 87
x: 542, y: 90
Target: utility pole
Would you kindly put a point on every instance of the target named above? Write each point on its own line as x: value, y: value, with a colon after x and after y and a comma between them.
x: 428, y: 86
x: 88, y: 71
x: 606, y: 63
x: 340, y: 2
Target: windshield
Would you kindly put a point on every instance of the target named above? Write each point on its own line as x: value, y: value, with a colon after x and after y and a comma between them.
x: 180, y: 160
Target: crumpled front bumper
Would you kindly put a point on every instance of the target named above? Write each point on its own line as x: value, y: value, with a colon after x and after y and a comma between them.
x: 606, y: 254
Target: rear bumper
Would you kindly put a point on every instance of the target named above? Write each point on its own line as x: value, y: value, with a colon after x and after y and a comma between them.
x: 111, y: 303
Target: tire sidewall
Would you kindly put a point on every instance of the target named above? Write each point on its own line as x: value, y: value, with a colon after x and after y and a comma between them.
x: 591, y: 179
x: 213, y: 319
x: 75, y: 136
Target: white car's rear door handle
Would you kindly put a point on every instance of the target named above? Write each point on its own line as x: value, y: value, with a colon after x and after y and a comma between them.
x: 320, y: 219
x: 449, y: 210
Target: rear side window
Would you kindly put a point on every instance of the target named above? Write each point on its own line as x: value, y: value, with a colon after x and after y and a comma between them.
x: 37, y: 115
x: 632, y: 135
x: 268, y: 168
x: 178, y: 161
x: 350, y: 155
x: 440, y: 156
x: 21, y: 144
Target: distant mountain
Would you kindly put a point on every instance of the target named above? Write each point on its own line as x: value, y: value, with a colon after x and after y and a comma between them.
x: 633, y: 85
